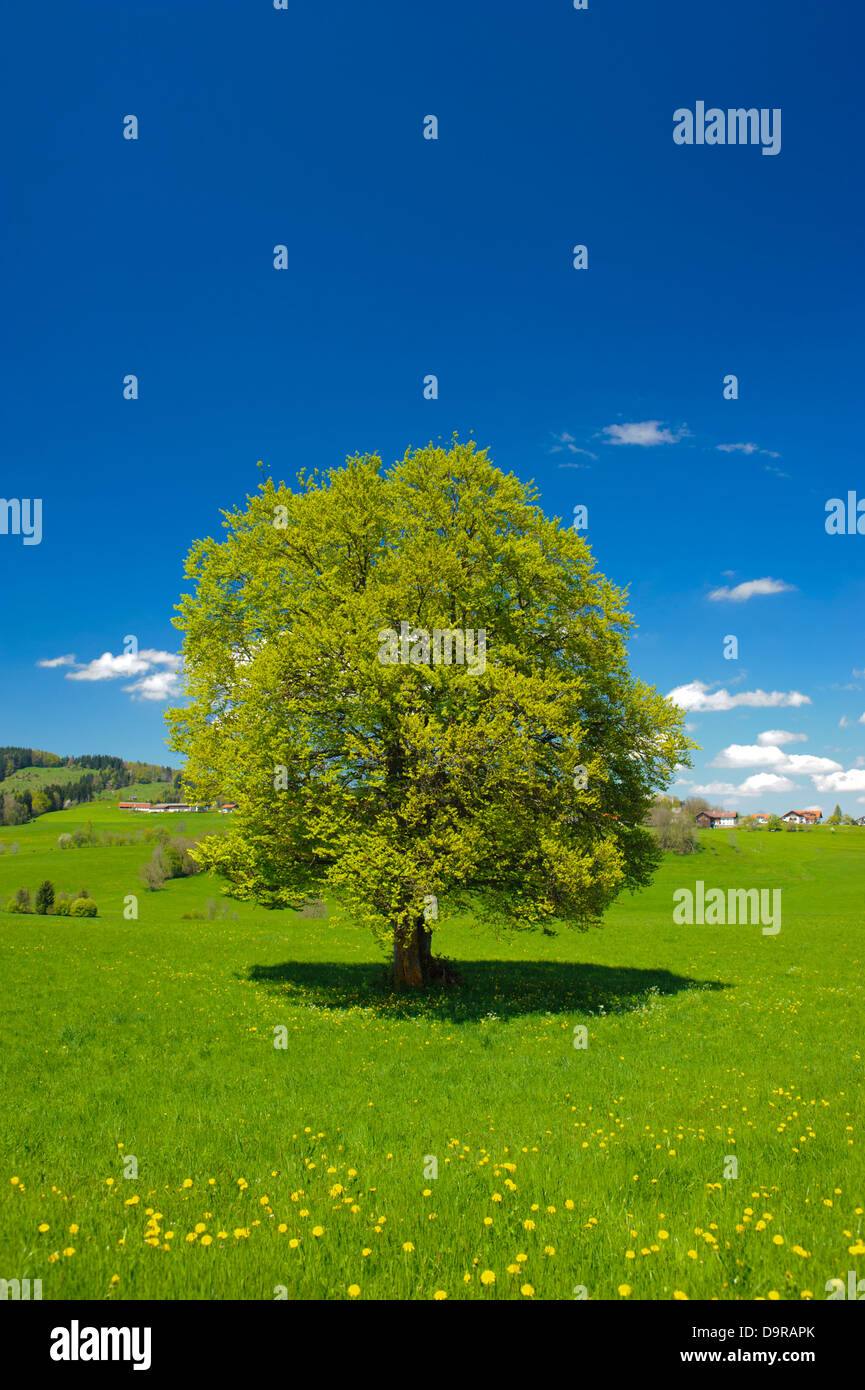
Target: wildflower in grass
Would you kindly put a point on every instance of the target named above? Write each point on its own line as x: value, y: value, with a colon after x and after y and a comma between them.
x: 115, y: 1279
x: 513, y: 1269
x: 527, y: 1291
x: 366, y: 1251
x: 624, y: 1290
x: 169, y: 1235
x: 352, y: 1172
x: 14, y: 1181
x: 408, y: 1247
x: 282, y: 1229
x: 805, y: 1254
x: 318, y: 1231
x: 70, y: 1250
x: 569, y: 1204
x: 241, y: 1233
x: 191, y: 1236
x: 806, y: 1293
x: 293, y: 1244
x: 207, y: 1240
x: 663, y: 1235
x: 43, y: 1228
x: 857, y: 1249
x: 488, y: 1277
x: 265, y: 1200
x: 187, y: 1182
x: 496, y: 1197
x: 692, y: 1254
x: 52, y: 1259
x: 528, y: 1225
x: 221, y: 1235
x: 355, y: 1209
x: 774, y: 1295
x: 777, y: 1240
x: 439, y: 1295
x: 467, y: 1278
x: 521, y: 1259
x: 680, y: 1296
x: 337, y: 1191
x: 488, y: 1220
x: 630, y: 1255
x: 303, y: 1212
x: 199, y: 1228
x: 353, y: 1290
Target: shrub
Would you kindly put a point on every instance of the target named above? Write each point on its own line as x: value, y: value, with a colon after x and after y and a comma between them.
x: 192, y: 917
x: 23, y: 899
x: 82, y: 907
x: 61, y: 908
x: 13, y: 905
x: 64, y: 841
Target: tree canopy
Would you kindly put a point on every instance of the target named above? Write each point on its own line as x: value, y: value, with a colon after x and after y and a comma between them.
x: 366, y: 764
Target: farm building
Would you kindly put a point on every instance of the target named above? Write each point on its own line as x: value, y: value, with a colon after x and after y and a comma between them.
x: 716, y: 820
x: 803, y: 817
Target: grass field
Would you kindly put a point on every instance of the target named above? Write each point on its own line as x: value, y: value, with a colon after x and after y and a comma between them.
x: 263, y: 1168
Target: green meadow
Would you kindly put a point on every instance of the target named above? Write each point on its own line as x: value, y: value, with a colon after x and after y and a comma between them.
x: 457, y: 1144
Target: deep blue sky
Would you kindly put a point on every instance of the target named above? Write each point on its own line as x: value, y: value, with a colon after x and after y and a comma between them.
x: 452, y: 257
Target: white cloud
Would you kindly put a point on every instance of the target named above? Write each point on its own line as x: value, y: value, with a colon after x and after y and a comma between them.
x: 843, y: 722
x: 750, y: 589
x: 775, y: 737
x: 157, y: 686
x: 643, y: 432
x: 807, y: 765
x: 756, y: 755
x: 759, y: 784
x: 861, y: 719
x: 153, y: 684
x: 747, y: 449
x: 747, y: 755
x: 850, y: 781
x: 696, y: 696
x: 107, y: 667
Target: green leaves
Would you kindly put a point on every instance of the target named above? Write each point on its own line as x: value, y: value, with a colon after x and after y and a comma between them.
x: 405, y: 780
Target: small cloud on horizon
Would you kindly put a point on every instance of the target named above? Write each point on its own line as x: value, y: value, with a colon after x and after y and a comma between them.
x: 645, y: 433
x: 747, y: 449
x: 751, y: 588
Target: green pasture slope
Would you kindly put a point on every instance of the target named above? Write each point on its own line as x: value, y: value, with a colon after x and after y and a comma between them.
x: 263, y: 1168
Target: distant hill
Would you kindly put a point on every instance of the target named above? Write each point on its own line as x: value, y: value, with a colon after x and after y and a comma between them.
x: 34, y: 781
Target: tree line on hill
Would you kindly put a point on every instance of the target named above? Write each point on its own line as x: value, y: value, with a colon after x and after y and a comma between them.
x: 104, y: 773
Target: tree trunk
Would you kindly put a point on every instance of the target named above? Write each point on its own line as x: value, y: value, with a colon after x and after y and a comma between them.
x: 414, y: 966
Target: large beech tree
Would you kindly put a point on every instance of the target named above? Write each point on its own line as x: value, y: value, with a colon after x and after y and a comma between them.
x: 407, y: 788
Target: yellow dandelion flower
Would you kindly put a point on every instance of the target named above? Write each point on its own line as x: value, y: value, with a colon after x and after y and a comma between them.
x: 293, y: 1244
x: 187, y: 1182
x: 680, y: 1296
x: 488, y: 1277
x: 527, y: 1291
x: 353, y: 1290
x: 408, y: 1247
x: 207, y: 1240
x: 70, y: 1250
x: 439, y: 1295
x: 43, y: 1228
x: 318, y: 1231
x: 624, y: 1290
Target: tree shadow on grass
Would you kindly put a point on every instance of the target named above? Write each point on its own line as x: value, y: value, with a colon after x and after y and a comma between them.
x: 501, y: 989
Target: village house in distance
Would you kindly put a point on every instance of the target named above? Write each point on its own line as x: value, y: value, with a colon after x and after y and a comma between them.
x: 718, y: 820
